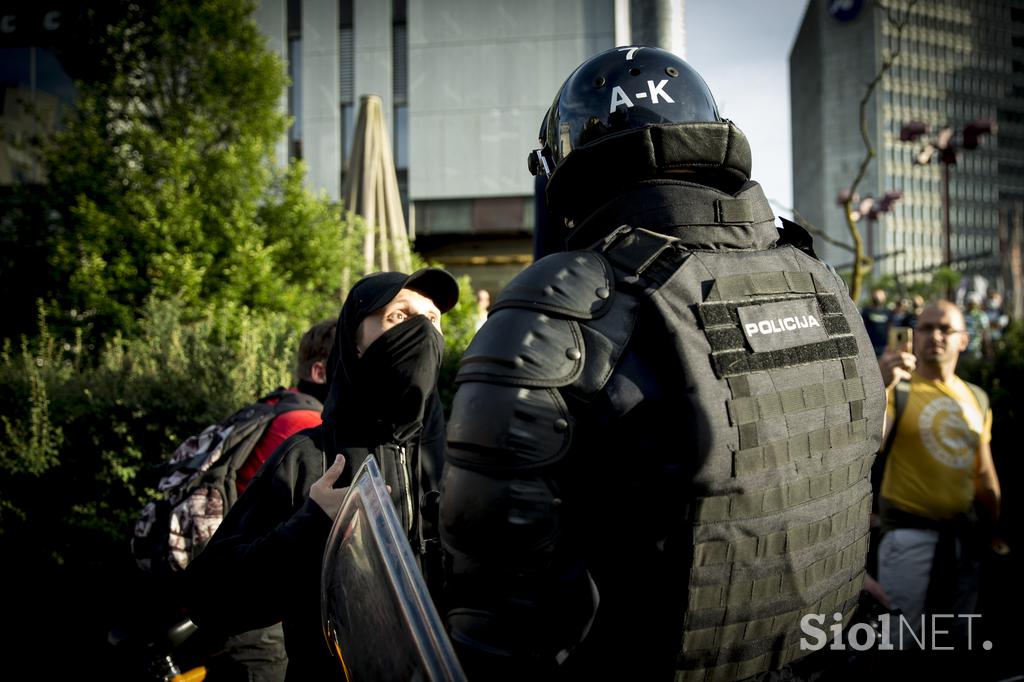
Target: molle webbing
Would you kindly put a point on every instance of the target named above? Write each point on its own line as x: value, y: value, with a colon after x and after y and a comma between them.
x: 752, y: 578
x: 776, y: 586
x: 782, y: 529
x: 779, y: 498
x: 798, y: 449
x: 792, y: 400
x: 752, y: 549
x: 757, y: 649
x: 761, y: 284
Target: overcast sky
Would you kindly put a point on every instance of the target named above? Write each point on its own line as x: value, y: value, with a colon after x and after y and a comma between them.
x: 741, y: 48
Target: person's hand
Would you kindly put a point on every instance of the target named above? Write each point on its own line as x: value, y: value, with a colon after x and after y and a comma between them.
x: 875, y: 589
x: 323, y: 491
x: 896, y: 365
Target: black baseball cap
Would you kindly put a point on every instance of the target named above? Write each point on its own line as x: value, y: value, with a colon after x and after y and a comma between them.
x: 376, y: 289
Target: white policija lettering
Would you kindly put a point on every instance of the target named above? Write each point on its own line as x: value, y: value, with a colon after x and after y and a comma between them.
x: 781, y: 324
x: 619, y: 96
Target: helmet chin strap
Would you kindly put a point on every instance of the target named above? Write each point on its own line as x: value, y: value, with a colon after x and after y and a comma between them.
x: 590, y: 173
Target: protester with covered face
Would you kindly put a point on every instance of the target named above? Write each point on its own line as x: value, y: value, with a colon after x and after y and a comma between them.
x: 264, y: 563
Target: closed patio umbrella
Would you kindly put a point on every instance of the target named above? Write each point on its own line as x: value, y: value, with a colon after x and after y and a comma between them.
x: 371, y: 191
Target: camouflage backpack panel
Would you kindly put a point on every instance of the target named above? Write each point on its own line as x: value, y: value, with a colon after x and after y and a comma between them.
x: 197, y: 491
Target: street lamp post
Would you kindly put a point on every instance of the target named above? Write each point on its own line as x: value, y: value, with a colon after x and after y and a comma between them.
x: 943, y: 147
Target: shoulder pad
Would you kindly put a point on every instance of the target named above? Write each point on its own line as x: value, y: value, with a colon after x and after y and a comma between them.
x: 604, y: 340
x: 504, y: 427
x: 524, y: 348
x: 577, y: 284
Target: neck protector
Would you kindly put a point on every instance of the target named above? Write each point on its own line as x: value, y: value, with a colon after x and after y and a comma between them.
x: 718, y: 153
x: 700, y: 217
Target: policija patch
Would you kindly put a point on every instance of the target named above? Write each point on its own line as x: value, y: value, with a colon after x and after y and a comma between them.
x: 782, y: 324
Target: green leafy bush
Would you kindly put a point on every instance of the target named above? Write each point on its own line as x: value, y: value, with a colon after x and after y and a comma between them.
x: 86, y: 429
x: 1001, y: 376
x: 81, y: 433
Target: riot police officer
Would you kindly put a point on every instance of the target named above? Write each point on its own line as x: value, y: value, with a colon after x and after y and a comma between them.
x: 660, y: 443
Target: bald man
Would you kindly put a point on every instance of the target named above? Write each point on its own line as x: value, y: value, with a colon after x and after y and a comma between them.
x: 939, y: 464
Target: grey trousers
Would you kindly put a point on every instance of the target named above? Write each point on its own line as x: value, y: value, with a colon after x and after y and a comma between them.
x: 906, y: 558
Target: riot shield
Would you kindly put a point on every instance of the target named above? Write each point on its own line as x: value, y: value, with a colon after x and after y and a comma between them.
x: 376, y: 611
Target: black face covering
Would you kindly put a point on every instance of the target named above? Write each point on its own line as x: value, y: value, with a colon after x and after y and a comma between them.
x: 382, y: 396
x: 396, y: 375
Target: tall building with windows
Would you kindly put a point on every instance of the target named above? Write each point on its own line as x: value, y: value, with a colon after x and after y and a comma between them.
x: 958, y: 63
x: 464, y: 85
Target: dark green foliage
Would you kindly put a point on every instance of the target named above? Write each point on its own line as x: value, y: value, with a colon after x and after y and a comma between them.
x: 161, y: 184
x: 80, y: 438
x: 89, y: 430
x: 1002, y: 376
x: 459, y: 328
x: 933, y: 286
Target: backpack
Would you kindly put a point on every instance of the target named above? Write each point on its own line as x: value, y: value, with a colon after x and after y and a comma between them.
x: 198, y: 484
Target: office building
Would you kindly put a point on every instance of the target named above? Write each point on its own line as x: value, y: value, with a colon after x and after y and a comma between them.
x: 958, y: 63
x: 464, y: 85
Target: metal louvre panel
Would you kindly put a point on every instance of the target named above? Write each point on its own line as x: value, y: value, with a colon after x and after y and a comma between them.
x: 400, y: 64
x: 346, y: 66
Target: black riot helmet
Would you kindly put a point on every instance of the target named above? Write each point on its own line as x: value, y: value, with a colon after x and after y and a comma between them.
x: 630, y: 113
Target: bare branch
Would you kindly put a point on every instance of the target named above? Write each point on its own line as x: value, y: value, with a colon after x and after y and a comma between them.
x: 895, y: 47
x: 862, y: 263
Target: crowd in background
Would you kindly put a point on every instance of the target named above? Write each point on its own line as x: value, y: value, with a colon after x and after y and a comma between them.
x: 985, y: 318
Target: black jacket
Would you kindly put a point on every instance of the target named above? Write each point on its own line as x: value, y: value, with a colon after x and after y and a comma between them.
x: 263, y: 564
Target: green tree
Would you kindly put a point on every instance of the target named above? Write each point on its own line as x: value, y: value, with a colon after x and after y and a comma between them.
x: 162, y: 182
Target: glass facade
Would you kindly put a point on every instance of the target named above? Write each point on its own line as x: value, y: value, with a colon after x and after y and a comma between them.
x: 294, y: 37
x: 954, y: 68
x: 400, y: 98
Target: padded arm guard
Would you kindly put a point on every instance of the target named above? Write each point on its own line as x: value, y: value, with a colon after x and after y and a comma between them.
x: 515, y: 589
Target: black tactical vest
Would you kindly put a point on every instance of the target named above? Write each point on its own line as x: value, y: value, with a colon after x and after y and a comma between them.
x: 776, y: 357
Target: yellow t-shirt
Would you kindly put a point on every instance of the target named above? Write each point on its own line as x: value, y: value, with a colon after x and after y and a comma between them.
x: 934, y: 457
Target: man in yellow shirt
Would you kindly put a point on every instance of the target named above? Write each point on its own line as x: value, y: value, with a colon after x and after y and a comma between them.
x: 938, y: 464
